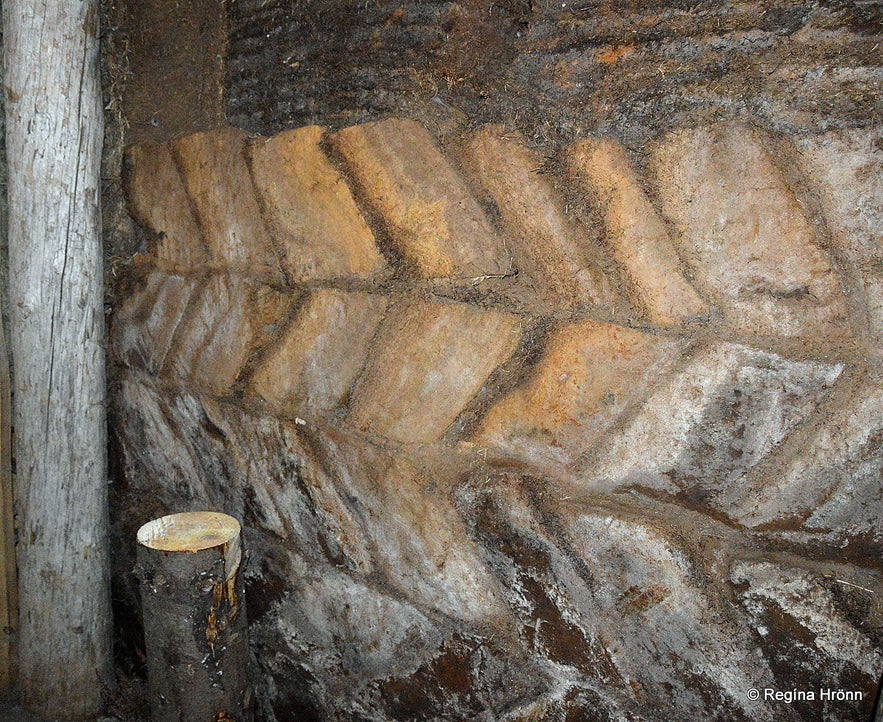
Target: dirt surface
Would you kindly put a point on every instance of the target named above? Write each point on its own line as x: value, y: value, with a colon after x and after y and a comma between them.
x: 554, y: 69
x: 165, y: 60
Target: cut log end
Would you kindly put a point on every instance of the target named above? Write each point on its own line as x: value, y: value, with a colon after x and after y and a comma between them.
x: 191, y: 531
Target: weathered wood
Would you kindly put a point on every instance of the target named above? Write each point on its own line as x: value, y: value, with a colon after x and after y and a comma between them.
x: 54, y: 133
x: 194, y: 618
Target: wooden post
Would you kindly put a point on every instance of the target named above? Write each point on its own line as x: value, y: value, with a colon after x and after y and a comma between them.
x: 54, y: 127
x: 194, y: 618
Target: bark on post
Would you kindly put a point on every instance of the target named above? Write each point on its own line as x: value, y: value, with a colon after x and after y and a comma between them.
x: 194, y: 618
x: 54, y: 133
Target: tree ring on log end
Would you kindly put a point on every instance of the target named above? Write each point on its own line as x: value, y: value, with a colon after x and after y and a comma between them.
x: 189, y: 531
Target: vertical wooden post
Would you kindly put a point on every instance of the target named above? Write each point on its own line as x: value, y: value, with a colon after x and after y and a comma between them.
x: 54, y: 128
x: 194, y: 618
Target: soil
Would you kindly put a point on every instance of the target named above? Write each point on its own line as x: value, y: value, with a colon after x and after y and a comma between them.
x: 553, y: 69
x: 556, y: 70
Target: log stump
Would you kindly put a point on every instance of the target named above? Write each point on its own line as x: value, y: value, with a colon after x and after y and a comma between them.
x: 195, y: 626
